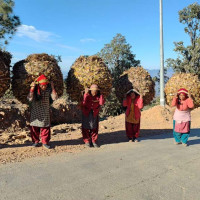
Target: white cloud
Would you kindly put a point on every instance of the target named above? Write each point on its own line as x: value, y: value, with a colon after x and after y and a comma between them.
x: 68, y: 47
x: 84, y: 40
x: 32, y: 33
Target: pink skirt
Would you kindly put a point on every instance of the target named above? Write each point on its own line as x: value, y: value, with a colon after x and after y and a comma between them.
x: 183, y: 127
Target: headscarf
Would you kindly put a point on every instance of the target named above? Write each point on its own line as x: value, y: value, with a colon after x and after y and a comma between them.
x: 183, y: 91
x: 42, y: 80
x: 94, y: 87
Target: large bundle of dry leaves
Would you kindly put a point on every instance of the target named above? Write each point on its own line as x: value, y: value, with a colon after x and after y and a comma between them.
x: 136, y: 78
x: 5, y: 59
x: 26, y: 71
x: 183, y: 80
x: 88, y: 70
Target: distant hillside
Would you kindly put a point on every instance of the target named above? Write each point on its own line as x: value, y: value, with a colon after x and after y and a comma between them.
x: 154, y: 72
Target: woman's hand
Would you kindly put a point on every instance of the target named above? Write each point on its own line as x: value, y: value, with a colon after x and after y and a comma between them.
x: 176, y: 95
x: 33, y: 85
x: 189, y: 95
x: 86, y: 90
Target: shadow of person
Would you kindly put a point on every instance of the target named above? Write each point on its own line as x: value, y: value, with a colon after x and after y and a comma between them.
x: 53, y: 144
x: 78, y: 141
x: 145, y: 134
x: 119, y: 137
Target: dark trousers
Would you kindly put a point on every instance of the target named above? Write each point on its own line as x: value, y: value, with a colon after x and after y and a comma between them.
x: 132, y: 130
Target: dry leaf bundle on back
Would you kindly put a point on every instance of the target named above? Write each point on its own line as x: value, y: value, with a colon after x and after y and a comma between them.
x: 85, y: 72
x: 5, y: 59
x: 136, y: 78
x: 183, y: 80
x: 26, y: 71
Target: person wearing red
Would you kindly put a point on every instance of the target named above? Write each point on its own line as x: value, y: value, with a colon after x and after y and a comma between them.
x: 133, y: 102
x: 92, y: 102
x: 40, y: 96
x: 182, y: 117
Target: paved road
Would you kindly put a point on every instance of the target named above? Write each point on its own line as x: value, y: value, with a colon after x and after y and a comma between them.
x: 153, y: 169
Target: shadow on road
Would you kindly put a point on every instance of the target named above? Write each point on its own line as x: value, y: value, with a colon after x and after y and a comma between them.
x: 119, y: 137
x: 66, y: 142
x: 194, y: 133
x: 52, y: 143
x: 145, y: 134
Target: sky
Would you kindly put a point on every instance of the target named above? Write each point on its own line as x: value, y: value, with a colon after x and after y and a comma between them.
x: 71, y: 28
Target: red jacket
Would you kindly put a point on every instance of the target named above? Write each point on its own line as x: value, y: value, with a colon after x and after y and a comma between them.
x: 92, y: 103
x: 138, y: 104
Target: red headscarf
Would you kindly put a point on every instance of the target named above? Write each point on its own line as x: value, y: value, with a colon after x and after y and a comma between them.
x: 183, y: 91
x: 42, y: 80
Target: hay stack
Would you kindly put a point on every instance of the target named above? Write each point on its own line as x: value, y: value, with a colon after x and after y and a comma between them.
x: 26, y: 71
x: 183, y: 80
x: 5, y: 59
x: 136, y: 78
x: 85, y: 72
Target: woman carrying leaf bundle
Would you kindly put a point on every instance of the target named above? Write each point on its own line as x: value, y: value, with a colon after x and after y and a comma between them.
x: 133, y: 102
x: 40, y: 96
x: 91, y: 104
x: 182, y: 117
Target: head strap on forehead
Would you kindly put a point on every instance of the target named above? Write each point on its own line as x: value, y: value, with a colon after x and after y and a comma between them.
x: 183, y: 91
x: 133, y: 90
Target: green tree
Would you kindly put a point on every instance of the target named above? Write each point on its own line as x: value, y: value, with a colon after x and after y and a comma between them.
x: 112, y: 107
x: 188, y: 59
x: 8, y: 21
x: 118, y: 56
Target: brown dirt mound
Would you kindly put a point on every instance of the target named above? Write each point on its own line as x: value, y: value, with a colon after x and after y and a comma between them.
x: 196, y: 118
x: 14, y: 116
x: 158, y: 114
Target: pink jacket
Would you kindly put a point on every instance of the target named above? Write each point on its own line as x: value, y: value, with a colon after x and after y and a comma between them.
x: 138, y: 105
x: 182, y: 112
x: 185, y: 105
